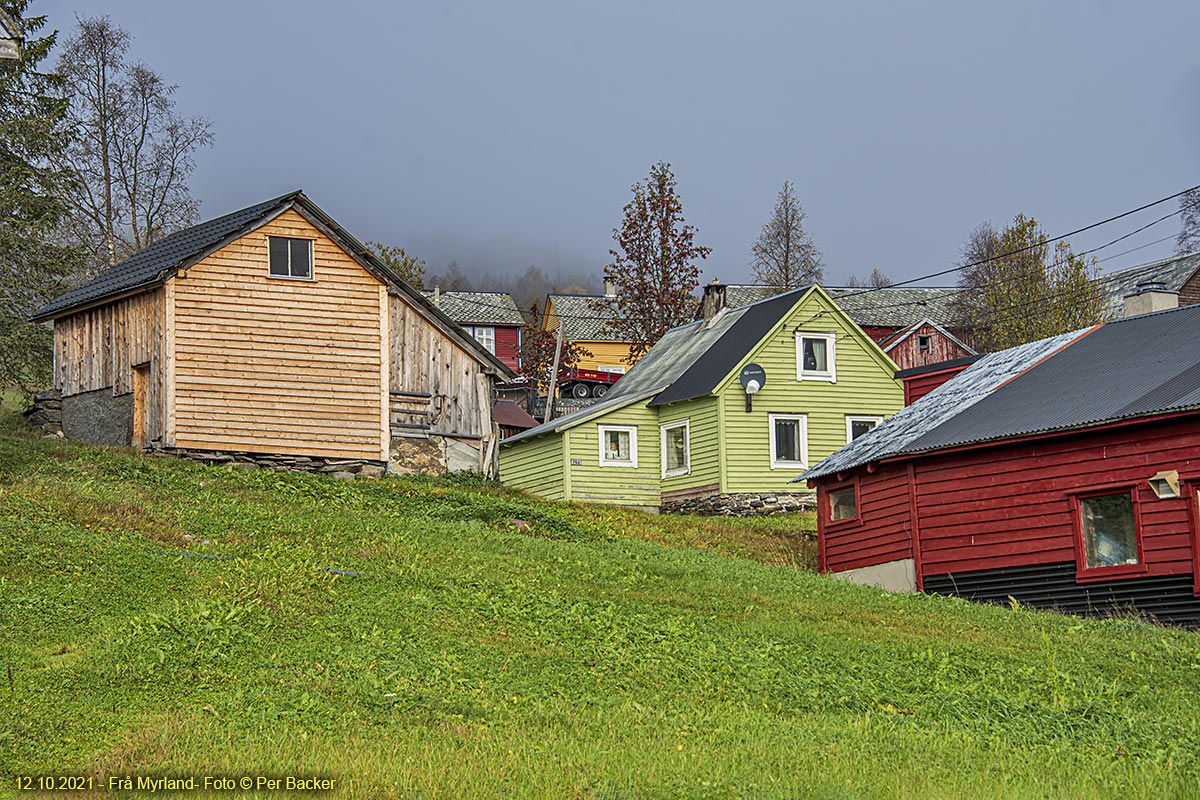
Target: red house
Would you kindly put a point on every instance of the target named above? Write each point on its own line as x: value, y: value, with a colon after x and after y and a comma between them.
x: 1064, y: 473
x: 491, y: 317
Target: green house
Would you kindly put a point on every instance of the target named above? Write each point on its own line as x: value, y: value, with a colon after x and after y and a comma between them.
x: 681, y: 432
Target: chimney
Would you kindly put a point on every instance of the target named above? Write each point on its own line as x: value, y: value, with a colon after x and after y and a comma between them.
x: 437, y: 294
x: 1150, y: 296
x: 610, y: 290
x: 713, y: 301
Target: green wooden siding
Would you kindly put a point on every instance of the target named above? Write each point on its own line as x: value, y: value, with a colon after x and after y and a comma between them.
x: 630, y: 486
x: 704, y: 439
x: 535, y: 465
x: 864, y: 386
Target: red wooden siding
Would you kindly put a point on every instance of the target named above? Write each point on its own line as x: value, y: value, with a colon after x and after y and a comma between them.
x: 507, y: 344
x: 878, y: 333
x: 917, y: 386
x: 882, y: 532
x: 999, y: 506
x: 907, y: 354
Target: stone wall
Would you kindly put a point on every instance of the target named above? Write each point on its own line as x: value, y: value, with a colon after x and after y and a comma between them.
x: 98, y: 417
x: 47, y: 412
x: 432, y: 455
x: 339, y: 468
x: 742, y: 505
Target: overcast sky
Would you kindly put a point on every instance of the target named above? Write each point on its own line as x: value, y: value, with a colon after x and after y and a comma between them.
x: 508, y: 134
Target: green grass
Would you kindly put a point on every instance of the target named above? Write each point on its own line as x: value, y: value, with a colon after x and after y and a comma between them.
x: 166, y: 618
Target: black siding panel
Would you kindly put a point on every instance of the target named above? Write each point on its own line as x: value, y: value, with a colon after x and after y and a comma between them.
x: 1052, y: 586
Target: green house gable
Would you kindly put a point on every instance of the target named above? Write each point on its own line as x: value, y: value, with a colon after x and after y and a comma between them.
x: 678, y: 426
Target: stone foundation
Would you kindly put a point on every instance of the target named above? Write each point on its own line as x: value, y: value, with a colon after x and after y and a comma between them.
x: 339, y: 468
x: 98, y: 417
x: 432, y: 455
x: 742, y: 504
x: 46, y: 412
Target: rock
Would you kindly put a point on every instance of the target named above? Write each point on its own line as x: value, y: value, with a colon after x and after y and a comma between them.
x: 370, y: 471
x: 343, y: 475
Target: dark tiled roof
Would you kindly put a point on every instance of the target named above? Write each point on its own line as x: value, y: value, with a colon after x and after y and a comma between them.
x: 584, y: 316
x: 889, y: 307
x: 479, y: 308
x: 150, y: 266
x: 1128, y: 368
x: 1171, y: 272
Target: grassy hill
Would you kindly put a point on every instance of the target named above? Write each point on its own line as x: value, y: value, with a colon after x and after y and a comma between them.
x: 407, y: 638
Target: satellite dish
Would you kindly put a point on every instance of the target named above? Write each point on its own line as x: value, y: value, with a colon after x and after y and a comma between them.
x: 753, y: 378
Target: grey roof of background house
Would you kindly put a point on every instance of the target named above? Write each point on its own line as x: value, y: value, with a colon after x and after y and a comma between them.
x: 479, y: 308
x: 682, y: 356
x: 898, y: 433
x: 1124, y: 369
x: 1171, y: 272
x: 584, y: 316
x: 150, y: 266
x: 889, y: 307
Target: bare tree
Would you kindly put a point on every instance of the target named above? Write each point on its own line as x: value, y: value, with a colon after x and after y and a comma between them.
x: 1188, y: 240
x: 132, y: 152
x: 784, y: 255
x: 876, y: 280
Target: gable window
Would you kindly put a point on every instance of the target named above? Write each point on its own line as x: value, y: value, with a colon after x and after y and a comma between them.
x: 290, y: 258
x: 618, y: 446
x: 789, y: 441
x: 843, y: 504
x: 816, y: 357
x: 857, y: 426
x: 676, y: 448
x: 1109, y: 530
x: 484, y: 334
x: 924, y: 343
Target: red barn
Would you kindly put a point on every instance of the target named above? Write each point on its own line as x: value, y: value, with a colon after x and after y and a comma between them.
x: 1064, y: 474
x: 491, y: 317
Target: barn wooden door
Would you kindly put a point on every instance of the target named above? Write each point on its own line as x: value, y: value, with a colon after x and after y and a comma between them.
x: 141, y: 385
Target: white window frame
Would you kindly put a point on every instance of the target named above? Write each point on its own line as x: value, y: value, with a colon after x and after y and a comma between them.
x: 784, y: 464
x: 632, y: 461
x: 687, y: 447
x: 490, y: 344
x: 829, y: 375
x: 312, y: 259
x: 853, y: 418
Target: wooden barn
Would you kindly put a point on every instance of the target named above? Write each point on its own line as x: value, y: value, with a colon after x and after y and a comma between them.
x: 1063, y: 474
x: 273, y: 334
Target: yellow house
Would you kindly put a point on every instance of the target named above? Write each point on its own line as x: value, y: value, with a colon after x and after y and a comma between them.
x: 584, y: 318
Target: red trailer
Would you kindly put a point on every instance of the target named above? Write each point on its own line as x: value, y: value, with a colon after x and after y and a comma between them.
x: 584, y: 383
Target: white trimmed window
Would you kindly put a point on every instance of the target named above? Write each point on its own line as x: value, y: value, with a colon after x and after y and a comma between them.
x: 789, y: 441
x: 676, y: 448
x: 856, y: 426
x: 816, y: 356
x: 618, y: 446
x: 485, y: 335
x: 290, y: 258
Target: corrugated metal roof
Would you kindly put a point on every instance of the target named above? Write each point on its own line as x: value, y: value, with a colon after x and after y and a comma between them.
x: 1171, y: 272
x: 479, y: 308
x: 897, y: 434
x: 585, y: 316
x: 151, y: 265
x: 889, y: 307
x: 1127, y: 368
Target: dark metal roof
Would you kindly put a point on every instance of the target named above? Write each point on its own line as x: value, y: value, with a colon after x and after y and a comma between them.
x: 1132, y: 367
x: 151, y: 266
x: 941, y: 366
x: 511, y: 415
x: 713, y: 364
x: 1129, y: 368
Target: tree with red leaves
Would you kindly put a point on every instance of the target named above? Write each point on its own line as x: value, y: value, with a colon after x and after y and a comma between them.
x: 654, y: 268
x: 537, y: 350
